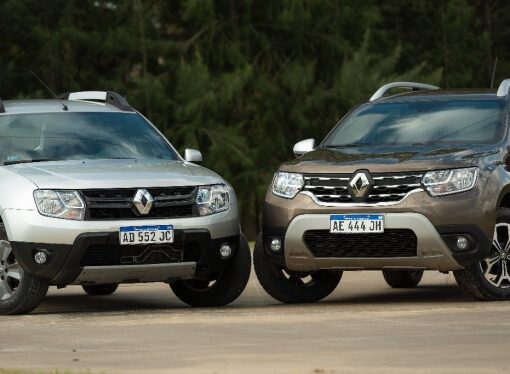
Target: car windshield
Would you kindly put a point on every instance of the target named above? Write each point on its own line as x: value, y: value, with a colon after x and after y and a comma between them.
x: 80, y: 136
x: 421, y: 122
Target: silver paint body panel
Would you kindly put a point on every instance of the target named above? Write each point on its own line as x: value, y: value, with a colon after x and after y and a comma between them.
x: 17, y: 183
x: 136, y: 273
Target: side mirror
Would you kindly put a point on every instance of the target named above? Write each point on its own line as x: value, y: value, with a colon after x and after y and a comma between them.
x: 192, y: 155
x: 304, y: 146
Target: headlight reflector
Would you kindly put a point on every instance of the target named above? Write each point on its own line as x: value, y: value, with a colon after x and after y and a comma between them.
x: 66, y: 204
x: 445, y: 182
x: 213, y: 199
x: 287, y: 184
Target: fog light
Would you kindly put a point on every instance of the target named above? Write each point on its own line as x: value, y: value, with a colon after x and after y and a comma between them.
x: 462, y: 243
x: 225, y: 251
x: 276, y: 245
x: 40, y: 257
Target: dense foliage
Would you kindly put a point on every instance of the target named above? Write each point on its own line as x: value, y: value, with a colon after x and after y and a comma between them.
x: 243, y: 80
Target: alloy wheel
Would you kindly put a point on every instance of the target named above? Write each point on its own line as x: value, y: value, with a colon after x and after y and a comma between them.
x: 496, y: 268
x: 300, y: 279
x: 11, y: 273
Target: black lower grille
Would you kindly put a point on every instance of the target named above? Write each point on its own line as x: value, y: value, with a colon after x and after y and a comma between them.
x: 179, y: 211
x: 391, y: 243
x: 108, y: 255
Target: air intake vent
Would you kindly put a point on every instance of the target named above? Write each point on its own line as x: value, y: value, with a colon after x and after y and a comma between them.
x: 391, y: 243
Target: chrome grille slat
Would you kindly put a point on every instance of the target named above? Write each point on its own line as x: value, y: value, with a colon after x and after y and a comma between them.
x: 326, y: 187
x: 399, y: 176
x: 396, y: 186
x: 333, y: 195
x: 387, y: 195
x: 328, y: 178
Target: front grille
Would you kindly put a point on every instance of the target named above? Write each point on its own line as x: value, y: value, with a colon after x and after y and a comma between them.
x: 387, y: 187
x: 109, y: 255
x: 391, y: 243
x: 117, y: 204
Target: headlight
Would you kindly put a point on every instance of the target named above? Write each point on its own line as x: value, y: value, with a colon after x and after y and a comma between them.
x: 60, y: 204
x: 213, y: 199
x: 287, y: 184
x: 445, y: 182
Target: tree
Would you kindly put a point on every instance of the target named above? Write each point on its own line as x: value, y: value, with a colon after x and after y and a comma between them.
x: 244, y: 80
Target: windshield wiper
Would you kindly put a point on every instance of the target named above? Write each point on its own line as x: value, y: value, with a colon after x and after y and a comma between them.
x: 352, y: 145
x: 13, y: 162
x: 349, y: 145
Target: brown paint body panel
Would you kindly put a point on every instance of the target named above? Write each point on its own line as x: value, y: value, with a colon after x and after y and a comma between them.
x: 477, y: 207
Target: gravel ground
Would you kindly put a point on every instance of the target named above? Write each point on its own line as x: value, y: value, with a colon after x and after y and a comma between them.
x: 364, y: 326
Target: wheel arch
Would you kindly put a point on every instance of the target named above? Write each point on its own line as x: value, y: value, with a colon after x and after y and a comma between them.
x: 504, y: 198
x: 4, y: 227
x: 3, y: 230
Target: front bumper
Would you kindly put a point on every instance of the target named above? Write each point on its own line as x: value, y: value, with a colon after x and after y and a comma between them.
x: 98, y: 258
x: 431, y: 220
x: 66, y: 243
x: 431, y: 250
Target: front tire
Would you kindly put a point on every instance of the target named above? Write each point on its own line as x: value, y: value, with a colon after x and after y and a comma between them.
x: 489, y: 279
x: 20, y: 292
x: 292, y: 287
x: 225, y: 289
x: 100, y: 289
x: 402, y: 278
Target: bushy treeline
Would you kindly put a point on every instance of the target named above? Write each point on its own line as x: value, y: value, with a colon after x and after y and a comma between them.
x: 243, y: 80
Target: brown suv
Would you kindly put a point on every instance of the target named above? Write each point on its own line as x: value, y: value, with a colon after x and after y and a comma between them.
x: 404, y: 183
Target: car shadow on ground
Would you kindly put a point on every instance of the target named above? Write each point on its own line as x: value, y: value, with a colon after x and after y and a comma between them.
x: 426, y: 294
x: 158, y: 301
x: 68, y: 304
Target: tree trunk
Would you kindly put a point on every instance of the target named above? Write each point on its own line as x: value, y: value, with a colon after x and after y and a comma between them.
x: 444, y: 45
x: 140, y: 10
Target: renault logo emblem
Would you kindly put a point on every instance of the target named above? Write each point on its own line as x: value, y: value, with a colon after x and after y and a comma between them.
x: 143, y: 201
x: 359, y: 184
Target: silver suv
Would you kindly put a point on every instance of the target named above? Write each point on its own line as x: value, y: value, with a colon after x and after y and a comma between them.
x: 92, y: 194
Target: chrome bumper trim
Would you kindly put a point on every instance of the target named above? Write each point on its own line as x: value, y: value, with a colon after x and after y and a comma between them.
x: 384, y: 203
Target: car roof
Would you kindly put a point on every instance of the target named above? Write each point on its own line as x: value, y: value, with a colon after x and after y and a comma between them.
x: 458, y: 94
x: 52, y: 106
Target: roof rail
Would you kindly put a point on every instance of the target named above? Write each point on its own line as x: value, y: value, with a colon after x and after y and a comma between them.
x: 2, y: 107
x: 412, y: 85
x: 504, y: 87
x: 108, y: 97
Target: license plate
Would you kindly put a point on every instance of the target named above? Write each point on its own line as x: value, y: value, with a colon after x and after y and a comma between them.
x: 356, y: 223
x: 132, y: 235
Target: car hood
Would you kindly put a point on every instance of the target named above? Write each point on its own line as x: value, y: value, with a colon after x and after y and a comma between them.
x: 114, y: 174
x: 388, y: 159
